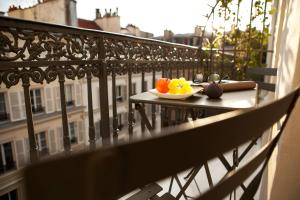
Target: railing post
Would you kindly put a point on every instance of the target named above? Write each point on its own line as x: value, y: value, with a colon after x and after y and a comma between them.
x: 104, y: 108
x: 114, y: 104
x: 92, y: 137
x: 66, y: 137
x: 153, y: 109
x: 31, y: 137
x: 143, y: 90
x: 130, y: 109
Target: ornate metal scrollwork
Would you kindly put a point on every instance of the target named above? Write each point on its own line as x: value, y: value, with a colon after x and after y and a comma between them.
x: 11, y: 77
x: 70, y: 72
x: 30, y: 44
x: 81, y: 71
x: 36, y: 74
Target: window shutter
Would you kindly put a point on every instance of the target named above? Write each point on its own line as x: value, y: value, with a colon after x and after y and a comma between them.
x: 57, y: 98
x: 73, y: 95
x: 78, y: 95
x: 20, y: 153
x: 52, y: 141
x: 15, y: 106
x: 22, y: 108
x: 49, y: 100
x: 60, y: 140
x: 27, y: 149
x: 80, y: 131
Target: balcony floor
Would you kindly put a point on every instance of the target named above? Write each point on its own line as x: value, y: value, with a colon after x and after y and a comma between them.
x: 216, y: 168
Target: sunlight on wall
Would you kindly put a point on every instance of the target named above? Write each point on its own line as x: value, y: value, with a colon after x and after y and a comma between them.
x: 283, y: 171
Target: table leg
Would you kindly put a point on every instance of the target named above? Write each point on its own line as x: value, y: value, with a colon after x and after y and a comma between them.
x: 171, y: 184
x: 209, y: 179
x: 180, y: 187
x: 228, y: 168
x: 130, y: 120
x: 248, y: 148
x: 144, y: 117
x: 188, y: 182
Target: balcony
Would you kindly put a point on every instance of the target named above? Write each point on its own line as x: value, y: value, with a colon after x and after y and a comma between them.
x: 95, y: 60
x: 38, y: 53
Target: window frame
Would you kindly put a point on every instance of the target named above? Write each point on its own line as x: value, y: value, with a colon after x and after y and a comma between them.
x: 36, y: 100
x: 3, y: 113
x: 6, y: 166
x: 72, y: 133
x: 69, y: 95
x: 44, y: 149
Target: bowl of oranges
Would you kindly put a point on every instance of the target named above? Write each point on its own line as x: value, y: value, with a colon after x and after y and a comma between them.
x: 173, y: 88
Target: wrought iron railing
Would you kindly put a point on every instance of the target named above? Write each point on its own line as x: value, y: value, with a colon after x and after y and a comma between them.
x: 33, y: 52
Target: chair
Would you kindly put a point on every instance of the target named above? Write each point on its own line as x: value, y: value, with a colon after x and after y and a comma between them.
x: 258, y: 75
x: 111, y: 172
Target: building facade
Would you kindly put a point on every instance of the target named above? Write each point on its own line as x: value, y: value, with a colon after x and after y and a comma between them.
x: 46, y: 103
x: 193, y: 39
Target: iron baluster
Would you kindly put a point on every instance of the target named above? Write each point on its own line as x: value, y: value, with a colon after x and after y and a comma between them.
x: 66, y: 137
x: 33, y: 148
x: 114, y: 103
x: 92, y: 137
x: 104, y: 106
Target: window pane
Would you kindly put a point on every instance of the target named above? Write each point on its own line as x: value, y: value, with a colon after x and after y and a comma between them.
x: 68, y: 92
x: 8, y: 154
x: 72, y: 133
x: 32, y: 98
x: 2, y: 104
x: 43, y: 141
x: 3, y: 114
x: 133, y: 88
x: 38, y: 98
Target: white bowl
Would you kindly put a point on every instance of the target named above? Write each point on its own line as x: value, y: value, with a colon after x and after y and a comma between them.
x: 173, y: 96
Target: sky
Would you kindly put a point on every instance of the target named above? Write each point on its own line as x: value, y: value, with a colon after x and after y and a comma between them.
x: 180, y: 16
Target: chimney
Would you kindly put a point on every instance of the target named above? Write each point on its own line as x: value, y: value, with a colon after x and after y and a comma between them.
x: 98, y: 14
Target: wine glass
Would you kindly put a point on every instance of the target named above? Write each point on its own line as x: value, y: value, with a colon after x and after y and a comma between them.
x: 198, y: 78
x: 213, y: 78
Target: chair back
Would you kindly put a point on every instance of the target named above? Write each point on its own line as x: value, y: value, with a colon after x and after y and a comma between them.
x: 111, y: 172
x: 259, y: 77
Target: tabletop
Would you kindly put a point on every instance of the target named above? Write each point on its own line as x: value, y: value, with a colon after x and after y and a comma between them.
x: 229, y: 100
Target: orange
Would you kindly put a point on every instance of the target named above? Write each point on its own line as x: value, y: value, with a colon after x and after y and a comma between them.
x: 162, y: 85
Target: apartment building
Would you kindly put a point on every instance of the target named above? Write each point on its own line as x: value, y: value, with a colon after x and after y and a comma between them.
x: 46, y: 109
x: 46, y: 105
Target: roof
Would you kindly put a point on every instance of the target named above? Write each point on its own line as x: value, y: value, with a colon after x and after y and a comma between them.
x: 84, y: 23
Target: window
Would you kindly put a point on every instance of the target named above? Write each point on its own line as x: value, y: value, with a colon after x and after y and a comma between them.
x: 49, y: 101
x: 97, y: 129
x: 119, y: 96
x: 12, y: 195
x: 3, y: 114
x: 120, y: 122
x: 145, y: 86
x: 42, y: 143
x: 72, y: 133
x: 17, y: 105
x: 6, y: 160
x: 133, y: 89
x: 36, y: 101
x: 68, y: 94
